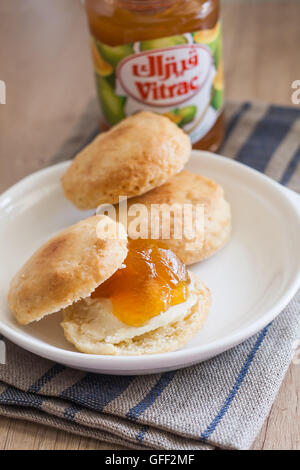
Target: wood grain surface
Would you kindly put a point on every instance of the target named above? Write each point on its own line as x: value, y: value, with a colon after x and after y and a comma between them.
x: 45, y: 62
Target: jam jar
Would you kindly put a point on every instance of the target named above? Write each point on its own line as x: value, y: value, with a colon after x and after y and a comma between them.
x: 163, y: 56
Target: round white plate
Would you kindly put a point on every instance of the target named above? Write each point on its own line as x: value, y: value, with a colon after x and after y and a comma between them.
x: 252, y: 279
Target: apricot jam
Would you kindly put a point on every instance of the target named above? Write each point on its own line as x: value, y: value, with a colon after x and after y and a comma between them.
x: 152, y: 280
x: 163, y: 56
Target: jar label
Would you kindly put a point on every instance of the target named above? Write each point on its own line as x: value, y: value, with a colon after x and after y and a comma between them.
x: 180, y: 77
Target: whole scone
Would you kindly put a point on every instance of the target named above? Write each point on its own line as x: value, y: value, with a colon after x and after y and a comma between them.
x: 140, y: 153
x: 187, y: 188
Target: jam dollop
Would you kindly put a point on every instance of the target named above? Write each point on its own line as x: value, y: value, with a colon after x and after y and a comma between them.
x: 152, y: 280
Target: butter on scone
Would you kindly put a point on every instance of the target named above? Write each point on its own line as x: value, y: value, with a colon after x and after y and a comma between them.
x: 187, y: 188
x: 91, y: 326
x: 140, y: 153
x: 116, y: 297
x: 151, y: 305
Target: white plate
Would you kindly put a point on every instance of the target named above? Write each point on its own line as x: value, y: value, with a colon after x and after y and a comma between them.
x: 252, y: 279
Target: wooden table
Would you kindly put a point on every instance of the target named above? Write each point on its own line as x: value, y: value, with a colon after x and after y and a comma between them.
x: 45, y: 62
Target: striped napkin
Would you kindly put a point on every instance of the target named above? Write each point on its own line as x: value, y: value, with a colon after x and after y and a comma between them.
x: 220, y: 403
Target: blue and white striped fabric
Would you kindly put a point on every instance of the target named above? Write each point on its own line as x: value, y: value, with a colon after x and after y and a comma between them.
x: 220, y: 403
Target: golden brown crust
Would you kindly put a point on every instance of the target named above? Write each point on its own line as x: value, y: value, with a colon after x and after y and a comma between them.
x: 164, y: 339
x: 138, y: 154
x: 65, y: 269
x: 189, y: 188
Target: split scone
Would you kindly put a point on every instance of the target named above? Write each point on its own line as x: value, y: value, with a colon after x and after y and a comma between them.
x: 183, y: 190
x: 116, y: 297
x: 141, y: 152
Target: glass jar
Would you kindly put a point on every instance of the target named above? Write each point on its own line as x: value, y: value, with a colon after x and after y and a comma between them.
x: 163, y: 56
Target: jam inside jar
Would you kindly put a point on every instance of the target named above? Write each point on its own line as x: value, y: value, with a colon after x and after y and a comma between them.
x: 164, y: 56
x: 152, y: 280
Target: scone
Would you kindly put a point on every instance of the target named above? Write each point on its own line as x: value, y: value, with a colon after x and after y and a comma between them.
x: 140, y: 153
x: 66, y: 269
x: 115, y: 297
x: 187, y: 188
